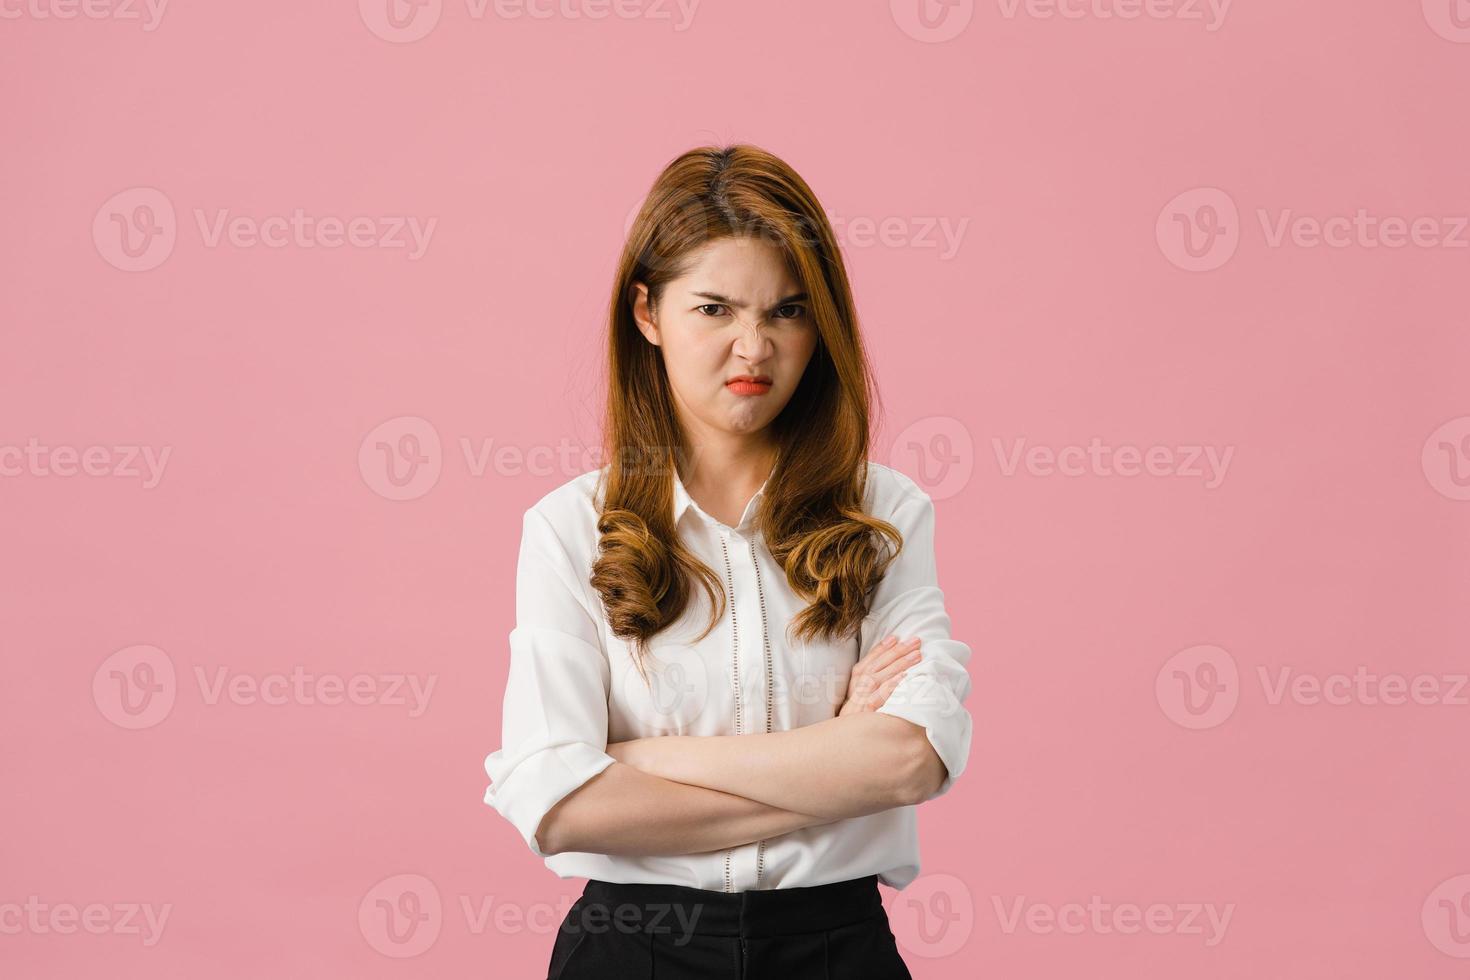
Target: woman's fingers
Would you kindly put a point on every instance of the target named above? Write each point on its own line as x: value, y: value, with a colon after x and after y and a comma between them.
x: 878, y: 650
x: 885, y: 653
x: 875, y: 676
x: 871, y: 700
x: 900, y: 663
x: 895, y: 657
x: 880, y: 696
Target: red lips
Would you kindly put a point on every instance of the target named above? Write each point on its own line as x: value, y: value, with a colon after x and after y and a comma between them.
x: 747, y: 384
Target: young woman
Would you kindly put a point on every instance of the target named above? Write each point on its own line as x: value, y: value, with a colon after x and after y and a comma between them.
x: 732, y: 678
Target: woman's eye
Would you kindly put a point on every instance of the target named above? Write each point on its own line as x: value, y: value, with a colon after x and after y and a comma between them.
x: 791, y: 311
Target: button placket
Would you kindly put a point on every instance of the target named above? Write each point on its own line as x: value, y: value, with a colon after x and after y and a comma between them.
x: 737, y: 652
x: 735, y: 670
x: 760, y: 845
x: 741, y: 664
x: 748, y: 629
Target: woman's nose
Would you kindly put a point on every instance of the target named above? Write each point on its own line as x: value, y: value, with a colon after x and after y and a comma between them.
x: 752, y: 340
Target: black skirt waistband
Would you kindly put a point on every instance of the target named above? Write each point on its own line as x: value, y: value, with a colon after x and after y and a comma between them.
x: 678, y: 909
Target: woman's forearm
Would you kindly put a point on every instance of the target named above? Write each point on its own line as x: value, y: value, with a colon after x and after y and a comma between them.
x: 625, y: 811
x: 842, y: 767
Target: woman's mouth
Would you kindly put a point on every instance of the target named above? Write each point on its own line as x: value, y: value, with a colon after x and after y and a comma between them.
x: 742, y: 387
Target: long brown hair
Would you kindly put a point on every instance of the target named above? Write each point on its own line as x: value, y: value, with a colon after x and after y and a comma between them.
x: 811, y: 514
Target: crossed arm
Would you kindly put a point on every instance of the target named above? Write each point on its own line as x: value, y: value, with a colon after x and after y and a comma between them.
x: 841, y: 767
x: 683, y: 794
x: 690, y: 794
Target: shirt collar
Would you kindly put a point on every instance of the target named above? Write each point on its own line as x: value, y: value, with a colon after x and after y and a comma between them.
x: 683, y: 502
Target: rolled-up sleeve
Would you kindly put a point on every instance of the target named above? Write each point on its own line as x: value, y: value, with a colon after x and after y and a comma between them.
x: 554, y: 721
x: 908, y: 603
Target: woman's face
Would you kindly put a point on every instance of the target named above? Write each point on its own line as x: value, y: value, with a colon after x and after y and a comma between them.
x: 738, y: 311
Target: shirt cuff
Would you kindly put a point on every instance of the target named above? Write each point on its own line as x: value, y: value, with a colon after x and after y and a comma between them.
x: 524, y: 790
x: 928, y: 702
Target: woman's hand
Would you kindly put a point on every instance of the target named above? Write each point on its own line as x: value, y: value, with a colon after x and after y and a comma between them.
x: 875, y: 676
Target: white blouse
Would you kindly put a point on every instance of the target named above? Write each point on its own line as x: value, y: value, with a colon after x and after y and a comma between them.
x: 573, y: 686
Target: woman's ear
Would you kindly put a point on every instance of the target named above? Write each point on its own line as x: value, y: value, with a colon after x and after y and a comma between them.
x: 643, y: 312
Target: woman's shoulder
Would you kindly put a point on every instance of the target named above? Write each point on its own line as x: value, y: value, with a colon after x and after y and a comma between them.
x: 572, y: 509
x: 888, y: 489
x: 574, y: 504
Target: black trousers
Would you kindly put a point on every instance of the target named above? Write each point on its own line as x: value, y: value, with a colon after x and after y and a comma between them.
x: 672, y: 932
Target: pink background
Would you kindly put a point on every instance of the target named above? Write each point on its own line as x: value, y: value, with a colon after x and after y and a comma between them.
x: 1068, y: 155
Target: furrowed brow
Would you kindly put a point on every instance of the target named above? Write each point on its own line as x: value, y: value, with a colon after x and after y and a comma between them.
x: 727, y: 301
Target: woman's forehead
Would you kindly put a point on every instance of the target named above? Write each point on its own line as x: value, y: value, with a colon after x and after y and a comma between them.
x: 744, y: 270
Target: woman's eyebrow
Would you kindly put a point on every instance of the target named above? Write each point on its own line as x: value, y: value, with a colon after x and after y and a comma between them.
x: 717, y: 298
